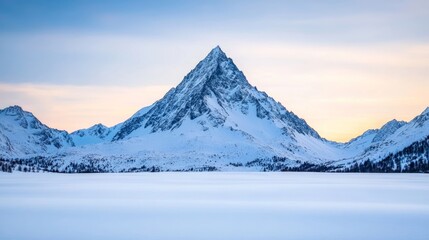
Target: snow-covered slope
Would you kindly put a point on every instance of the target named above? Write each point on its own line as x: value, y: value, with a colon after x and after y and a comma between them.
x: 95, y: 134
x: 371, y: 139
x: 21, y: 133
x: 100, y: 133
x: 377, y: 145
x: 217, y: 90
x: 398, y: 135
x: 214, y: 119
x: 387, y: 130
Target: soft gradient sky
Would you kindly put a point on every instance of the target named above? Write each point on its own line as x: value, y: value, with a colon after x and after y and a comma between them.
x: 343, y: 66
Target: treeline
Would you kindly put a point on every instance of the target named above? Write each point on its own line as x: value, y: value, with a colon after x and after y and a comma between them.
x: 310, y: 167
x: 90, y: 167
x: 412, y: 159
x: 37, y: 164
x: 5, y: 166
x: 269, y: 164
x: 283, y: 164
x: 20, y: 165
x: 141, y: 169
x: 387, y: 166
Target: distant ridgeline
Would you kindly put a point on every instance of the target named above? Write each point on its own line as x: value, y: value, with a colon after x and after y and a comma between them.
x: 214, y: 120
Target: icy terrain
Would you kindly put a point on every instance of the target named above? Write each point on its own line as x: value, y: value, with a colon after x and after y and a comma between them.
x: 214, y: 206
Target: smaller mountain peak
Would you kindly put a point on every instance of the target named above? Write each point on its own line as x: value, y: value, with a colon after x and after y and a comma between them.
x: 13, y: 110
x: 393, y: 124
x: 388, y: 129
x: 98, y: 126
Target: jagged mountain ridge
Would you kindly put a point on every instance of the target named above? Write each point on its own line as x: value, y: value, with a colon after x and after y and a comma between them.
x: 218, y: 79
x: 214, y: 113
x: 21, y: 133
x: 214, y: 119
x: 93, y: 135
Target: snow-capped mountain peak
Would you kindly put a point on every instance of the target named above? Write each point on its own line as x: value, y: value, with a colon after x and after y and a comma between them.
x: 17, y: 114
x: 13, y: 110
x: 388, y: 129
x: 216, y: 71
x: 216, y: 55
x: 27, y: 135
x: 92, y: 135
x: 98, y: 129
x: 422, y: 119
x: 219, y: 91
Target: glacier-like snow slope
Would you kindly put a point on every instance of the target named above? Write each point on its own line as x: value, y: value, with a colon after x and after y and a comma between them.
x: 22, y: 134
x: 214, y: 117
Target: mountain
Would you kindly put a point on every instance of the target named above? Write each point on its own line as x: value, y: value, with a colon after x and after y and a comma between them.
x: 372, y: 139
x: 217, y: 91
x: 93, y: 135
x: 213, y: 120
x: 399, y: 135
x: 22, y: 134
x: 387, y: 130
x: 100, y: 133
x: 376, y: 147
x: 214, y: 117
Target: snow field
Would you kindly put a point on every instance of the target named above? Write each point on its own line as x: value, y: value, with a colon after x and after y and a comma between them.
x: 214, y: 205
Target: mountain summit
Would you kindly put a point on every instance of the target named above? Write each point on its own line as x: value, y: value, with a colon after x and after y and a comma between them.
x: 21, y: 133
x: 217, y: 90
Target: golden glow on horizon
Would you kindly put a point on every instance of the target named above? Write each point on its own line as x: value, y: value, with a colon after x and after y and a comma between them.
x: 344, y: 68
x: 341, y: 91
x: 71, y: 107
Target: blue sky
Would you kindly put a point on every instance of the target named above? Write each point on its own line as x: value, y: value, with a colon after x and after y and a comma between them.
x: 35, y: 34
x: 310, y: 55
x: 327, y: 20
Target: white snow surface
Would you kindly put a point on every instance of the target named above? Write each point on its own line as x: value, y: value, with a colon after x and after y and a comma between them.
x: 204, y: 206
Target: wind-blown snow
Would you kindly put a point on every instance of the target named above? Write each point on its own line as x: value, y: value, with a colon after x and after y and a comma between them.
x: 214, y: 206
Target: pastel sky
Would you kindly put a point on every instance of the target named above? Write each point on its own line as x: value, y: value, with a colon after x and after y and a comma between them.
x: 343, y: 66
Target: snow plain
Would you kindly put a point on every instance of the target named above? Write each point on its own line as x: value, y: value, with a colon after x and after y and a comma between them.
x: 214, y: 206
